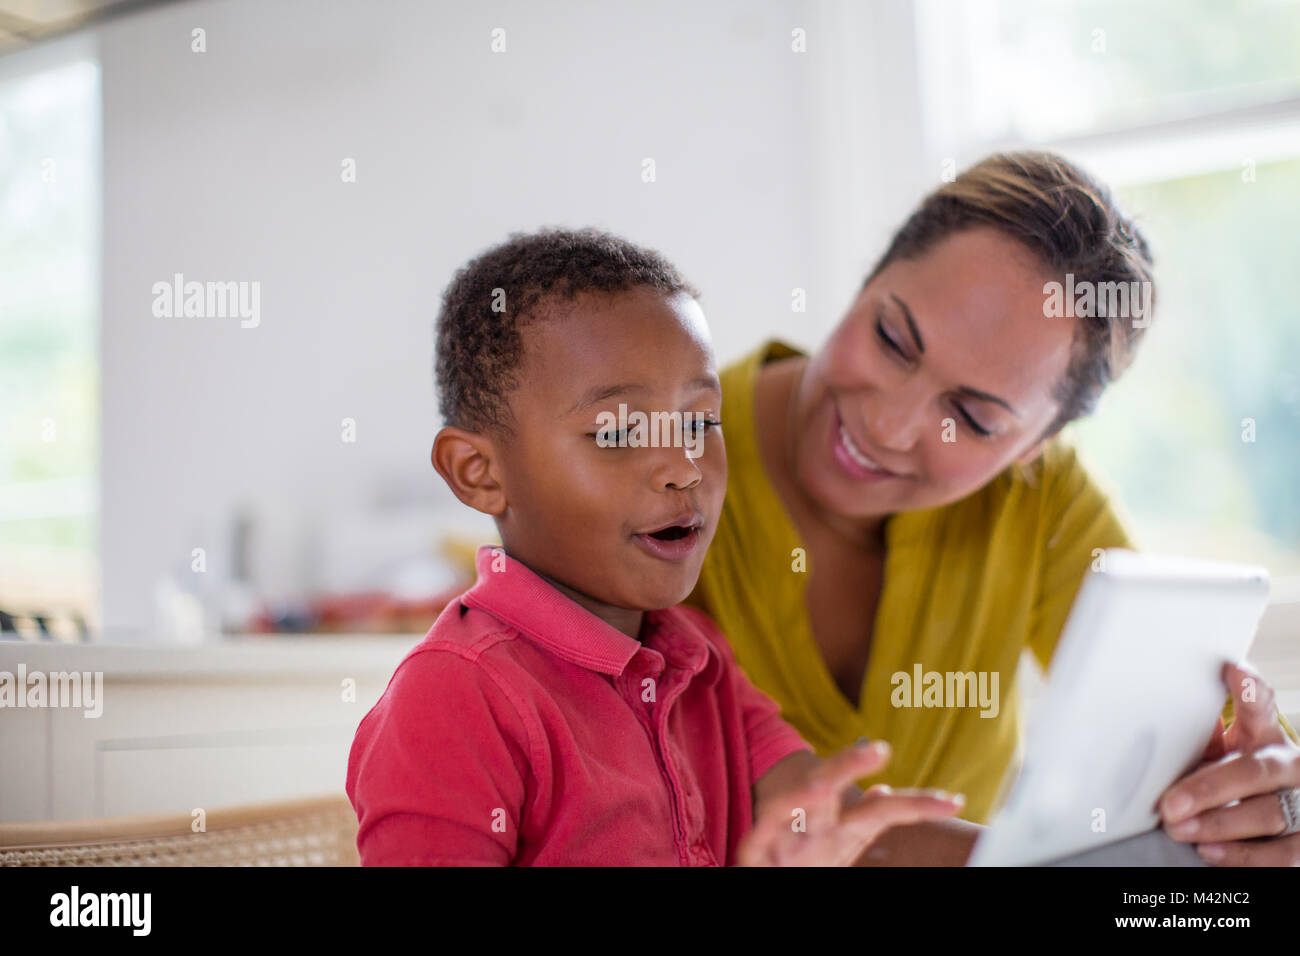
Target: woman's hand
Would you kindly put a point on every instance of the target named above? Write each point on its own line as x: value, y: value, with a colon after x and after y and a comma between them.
x: 824, y: 819
x: 1244, y: 766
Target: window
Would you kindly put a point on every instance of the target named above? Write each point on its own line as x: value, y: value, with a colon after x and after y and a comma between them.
x: 49, y: 320
x: 1204, y: 436
x: 1035, y: 70
x: 1191, y: 110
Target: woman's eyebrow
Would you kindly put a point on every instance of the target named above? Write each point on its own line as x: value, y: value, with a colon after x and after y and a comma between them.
x: 986, y: 397
x: 964, y: 389
x: 911, y: 323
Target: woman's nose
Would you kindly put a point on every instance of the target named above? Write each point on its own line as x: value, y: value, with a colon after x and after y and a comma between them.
x: 895, y: 420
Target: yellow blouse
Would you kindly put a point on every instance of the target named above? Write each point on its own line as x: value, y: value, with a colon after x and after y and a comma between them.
x: 967, y: 587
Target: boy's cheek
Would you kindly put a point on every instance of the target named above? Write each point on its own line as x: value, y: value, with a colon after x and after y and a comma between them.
x: 715, y: 475
x: 715, y: 463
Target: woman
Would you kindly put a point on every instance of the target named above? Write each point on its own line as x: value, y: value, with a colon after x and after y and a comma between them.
x: 899, y: 503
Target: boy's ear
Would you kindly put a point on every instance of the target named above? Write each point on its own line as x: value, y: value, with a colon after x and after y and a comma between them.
x: 467, y: 462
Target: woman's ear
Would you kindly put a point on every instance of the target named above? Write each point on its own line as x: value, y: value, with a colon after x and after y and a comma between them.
x: 468, y: 463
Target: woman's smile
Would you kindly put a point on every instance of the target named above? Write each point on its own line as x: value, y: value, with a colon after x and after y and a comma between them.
x: 853, y: 461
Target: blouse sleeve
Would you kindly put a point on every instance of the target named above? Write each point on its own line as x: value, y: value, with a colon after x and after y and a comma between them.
x: 1078, y: 523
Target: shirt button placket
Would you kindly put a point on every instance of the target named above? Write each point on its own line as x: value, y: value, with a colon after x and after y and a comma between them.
x: 642, y: 664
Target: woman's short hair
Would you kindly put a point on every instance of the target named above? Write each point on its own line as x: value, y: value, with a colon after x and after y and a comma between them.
x: 1071, y: 223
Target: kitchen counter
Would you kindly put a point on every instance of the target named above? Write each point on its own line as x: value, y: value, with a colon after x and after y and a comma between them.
x: 272, y: 655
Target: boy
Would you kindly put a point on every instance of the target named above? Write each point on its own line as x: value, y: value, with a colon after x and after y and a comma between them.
x: 564, y: 710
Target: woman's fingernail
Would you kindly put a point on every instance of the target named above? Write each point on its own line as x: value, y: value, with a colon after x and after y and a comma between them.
x: 1178, y: 804
x: 1181, y: 831
x: 1211, y: 851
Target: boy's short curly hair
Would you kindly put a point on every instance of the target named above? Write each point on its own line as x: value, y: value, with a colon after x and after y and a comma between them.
x: 491, y: 298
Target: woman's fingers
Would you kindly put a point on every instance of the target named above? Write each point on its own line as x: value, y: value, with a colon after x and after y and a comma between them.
x: 1216, y: 747
x: 1284, y: 851
x: 1260, y: 759
x: 1251, y: 818
x: 1229, y: 808
x: 1235, y: 777
x: 1254, y: 709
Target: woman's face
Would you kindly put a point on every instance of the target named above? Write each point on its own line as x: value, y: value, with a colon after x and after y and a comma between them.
x: 941, y: 374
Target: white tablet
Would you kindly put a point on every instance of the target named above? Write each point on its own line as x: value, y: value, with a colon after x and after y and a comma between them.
x: 1129, y: 705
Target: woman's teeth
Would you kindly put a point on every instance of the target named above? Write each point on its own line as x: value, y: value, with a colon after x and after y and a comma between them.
x: 856, y: 453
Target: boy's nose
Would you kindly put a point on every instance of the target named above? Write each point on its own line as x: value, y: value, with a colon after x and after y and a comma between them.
x: 674, y: 468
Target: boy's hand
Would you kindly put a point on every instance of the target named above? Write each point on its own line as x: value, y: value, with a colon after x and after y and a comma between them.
x: 826, y: 820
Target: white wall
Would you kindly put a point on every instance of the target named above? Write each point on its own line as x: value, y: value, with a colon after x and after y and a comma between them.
x: 225, y: 165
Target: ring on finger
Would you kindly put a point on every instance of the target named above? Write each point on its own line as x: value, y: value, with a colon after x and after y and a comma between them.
x: 1290, y: 800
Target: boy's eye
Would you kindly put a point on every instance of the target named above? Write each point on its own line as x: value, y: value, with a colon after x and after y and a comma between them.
x: 618, y: 439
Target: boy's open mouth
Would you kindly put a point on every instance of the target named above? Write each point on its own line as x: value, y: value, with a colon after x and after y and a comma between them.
x: 673, y: 541
x: 672, y: 534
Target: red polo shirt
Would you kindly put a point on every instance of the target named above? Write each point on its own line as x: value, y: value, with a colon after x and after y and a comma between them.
x: 524, y: 730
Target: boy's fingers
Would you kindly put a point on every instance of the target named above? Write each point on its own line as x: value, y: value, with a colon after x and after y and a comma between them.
x: 880, y: 809
x: 823, y: 794
x: 774, y: 841
x: 850, y: 764
x: 775, y: 825
x: 759, y: 846
x: 886, y: 807
x: 816, y: 806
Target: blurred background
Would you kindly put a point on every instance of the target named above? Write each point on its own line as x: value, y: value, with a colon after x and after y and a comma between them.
x: 164, y: 478
x: 167, y: 483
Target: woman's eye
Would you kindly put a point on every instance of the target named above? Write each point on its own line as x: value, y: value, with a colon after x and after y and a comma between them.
x: 888, y: 340
x: 975, y: 426
x: 607, y: 438
x: 705, y: 424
